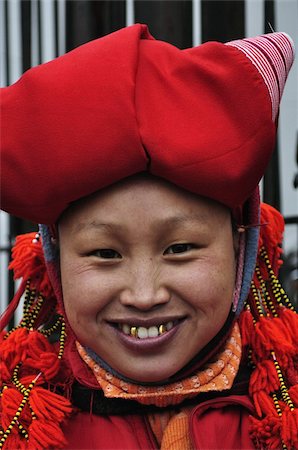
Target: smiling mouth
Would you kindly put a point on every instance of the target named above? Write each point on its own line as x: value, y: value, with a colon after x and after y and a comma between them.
x: 141, y: 332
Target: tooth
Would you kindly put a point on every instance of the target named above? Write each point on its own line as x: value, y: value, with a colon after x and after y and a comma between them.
x: 133, y: 331
x: 162, y: 329
x: 126, y: 328
x: 152, y: 331
x: 169, y: 326
x: 142, y: 333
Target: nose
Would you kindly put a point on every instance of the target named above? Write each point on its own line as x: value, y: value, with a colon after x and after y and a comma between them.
x: 145, y: 288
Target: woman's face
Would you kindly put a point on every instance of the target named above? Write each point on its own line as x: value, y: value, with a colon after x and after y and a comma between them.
x: 148, y: 273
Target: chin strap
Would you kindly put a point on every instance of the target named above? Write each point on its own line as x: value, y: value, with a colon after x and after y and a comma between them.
x: 269, y: 331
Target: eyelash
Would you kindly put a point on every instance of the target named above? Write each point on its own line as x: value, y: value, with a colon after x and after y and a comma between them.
x: 180, y: 248
x: 175, y: 249
x: 106, y: 253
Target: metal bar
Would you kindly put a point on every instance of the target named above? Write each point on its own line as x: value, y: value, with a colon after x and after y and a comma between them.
x: 3, y: 44
x: 291, y: 220
x: 254, y: 17
x: 47, y: 16
x: 130, y: 12
x: 61, y: 27
x: 196, y: 23
x: 35, y: 40
x: 14, y: 40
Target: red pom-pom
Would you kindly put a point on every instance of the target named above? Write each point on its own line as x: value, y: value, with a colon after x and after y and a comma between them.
x: 266, y: 432
x: 28, y: 263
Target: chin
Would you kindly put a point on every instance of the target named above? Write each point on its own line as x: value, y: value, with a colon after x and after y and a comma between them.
x: 154, y: 375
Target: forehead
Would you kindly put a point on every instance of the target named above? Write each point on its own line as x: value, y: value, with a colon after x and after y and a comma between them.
x: 140, y: 196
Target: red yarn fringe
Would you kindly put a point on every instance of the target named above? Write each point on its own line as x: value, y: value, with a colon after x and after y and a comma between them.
x: 28, y: 263
x: 29, y: 365
x: 269, y: 332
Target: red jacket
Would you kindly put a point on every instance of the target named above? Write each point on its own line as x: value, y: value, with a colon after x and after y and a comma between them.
x: 221, y: 423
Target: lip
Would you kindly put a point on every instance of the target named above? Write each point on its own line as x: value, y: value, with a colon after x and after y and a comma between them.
x: 152, y: 344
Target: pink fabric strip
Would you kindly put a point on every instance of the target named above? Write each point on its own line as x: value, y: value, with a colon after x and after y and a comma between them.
x: 272, y: 55
x: 239, y: 274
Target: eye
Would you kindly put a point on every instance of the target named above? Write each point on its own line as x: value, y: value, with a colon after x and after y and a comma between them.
x: 105, y: 253
x: 178, y: 248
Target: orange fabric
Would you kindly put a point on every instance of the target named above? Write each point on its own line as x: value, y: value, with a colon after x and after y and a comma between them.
x: 171, y: 430
x: 218, y: 375
x: 159, y: 422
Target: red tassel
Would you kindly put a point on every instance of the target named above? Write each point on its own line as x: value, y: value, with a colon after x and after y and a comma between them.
x: 263, y: 404
x: 46, y: 362
x: 293, y: 393
x: 290, y: 320
x: 246, y: 327
x: 14, y: 348
x: 28, y: 263
x: 49, y: 406
x: 289, y: 431
x: 45, y: 435
x: 270, y: 333
x: 290, y: 370
x: 264, y: 378
x: 11, y: 400
x: 272, y: 234
x: 15, y: 443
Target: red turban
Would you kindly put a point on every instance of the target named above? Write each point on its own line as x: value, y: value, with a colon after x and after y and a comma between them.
x: 202, y: 118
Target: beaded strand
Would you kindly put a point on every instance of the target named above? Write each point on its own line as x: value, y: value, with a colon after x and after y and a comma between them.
x: 266, y: 296
x: 62, y: 338
x: 277, y: 289
x: 283, y: 388
x: 15, y: 419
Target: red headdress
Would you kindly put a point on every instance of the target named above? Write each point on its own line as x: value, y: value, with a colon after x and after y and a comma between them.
x: 202, y: 118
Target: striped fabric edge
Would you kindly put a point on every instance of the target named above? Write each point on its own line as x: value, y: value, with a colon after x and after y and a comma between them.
x: 272, y: 55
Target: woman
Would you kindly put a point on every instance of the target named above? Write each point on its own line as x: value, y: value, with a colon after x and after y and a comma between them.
x: 142, y: 326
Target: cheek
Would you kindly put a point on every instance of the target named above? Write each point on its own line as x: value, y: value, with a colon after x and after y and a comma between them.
x: 85, y: 294
x: 210, y: 286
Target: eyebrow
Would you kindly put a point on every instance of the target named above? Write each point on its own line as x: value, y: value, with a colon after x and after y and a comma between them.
x: 81, y: 226
x: 172, y: 221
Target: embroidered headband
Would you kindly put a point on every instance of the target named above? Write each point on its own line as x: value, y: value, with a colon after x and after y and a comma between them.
x: 202, y: 118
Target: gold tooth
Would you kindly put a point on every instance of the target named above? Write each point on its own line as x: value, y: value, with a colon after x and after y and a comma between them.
x: 133, y: 331
x: 162, y: 329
